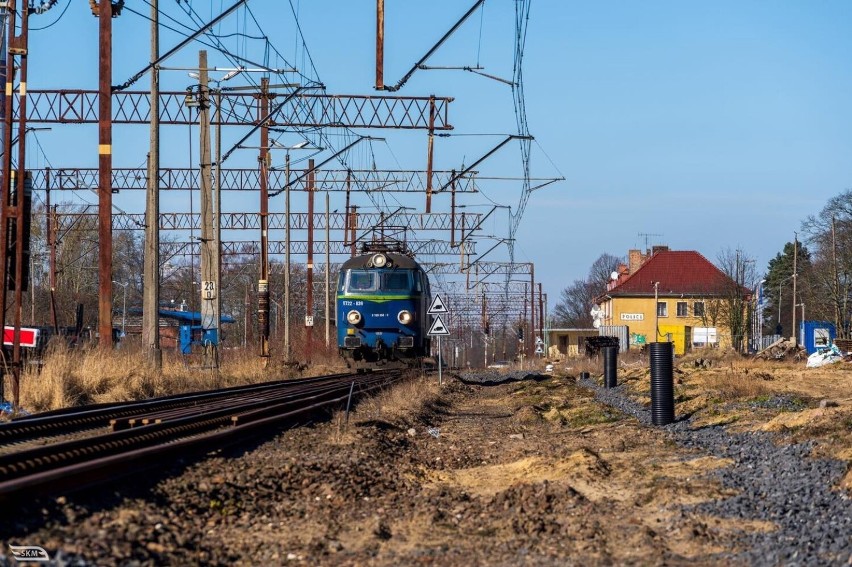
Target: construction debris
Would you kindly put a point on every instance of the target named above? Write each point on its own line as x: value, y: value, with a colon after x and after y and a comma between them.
x: 783, y: 349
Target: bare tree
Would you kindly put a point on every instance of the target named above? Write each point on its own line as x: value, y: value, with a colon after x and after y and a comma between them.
x: 576, y: 300
x: 829, y: 238
x: 735, y: 294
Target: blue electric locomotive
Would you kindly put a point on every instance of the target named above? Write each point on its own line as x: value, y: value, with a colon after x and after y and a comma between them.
x: 382, y: 299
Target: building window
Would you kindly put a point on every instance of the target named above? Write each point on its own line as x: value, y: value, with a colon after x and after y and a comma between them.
x: 662, y: 309
x: 698, y: 309
x: 682, y: 309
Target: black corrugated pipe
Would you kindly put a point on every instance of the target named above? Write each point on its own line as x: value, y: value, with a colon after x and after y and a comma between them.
x: 610, y: 366
x: 662, y: 383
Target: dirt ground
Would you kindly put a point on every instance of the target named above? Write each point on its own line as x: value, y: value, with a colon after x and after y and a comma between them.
x: 753, y: 395
x: 533, y: 472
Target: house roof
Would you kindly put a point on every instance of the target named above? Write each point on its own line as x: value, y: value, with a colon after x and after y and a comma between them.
x: 678, y: 272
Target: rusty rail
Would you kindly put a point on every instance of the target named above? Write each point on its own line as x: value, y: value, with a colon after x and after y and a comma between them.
x: 70, y: 420
x: 197, y: 427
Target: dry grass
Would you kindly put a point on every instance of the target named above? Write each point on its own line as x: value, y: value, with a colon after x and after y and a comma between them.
x: 74, y: 377
x: 399, y: 406
x: 402, y: 401
x: 736, y: 386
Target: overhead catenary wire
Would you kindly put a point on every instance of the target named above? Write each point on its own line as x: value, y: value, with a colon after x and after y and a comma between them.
x: 54, y: 22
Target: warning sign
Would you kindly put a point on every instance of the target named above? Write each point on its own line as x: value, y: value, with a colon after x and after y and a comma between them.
x: 438, y: 329
x: 28, y: 337
x: 539, y: 350
x: 437, y: 307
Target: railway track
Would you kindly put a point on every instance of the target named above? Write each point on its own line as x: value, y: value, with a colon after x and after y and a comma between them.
x: 140, y: 435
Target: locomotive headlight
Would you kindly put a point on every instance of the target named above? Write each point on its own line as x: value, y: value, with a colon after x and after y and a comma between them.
x: 380, y: 260
x: 353, y: 317
x: 405, y: 317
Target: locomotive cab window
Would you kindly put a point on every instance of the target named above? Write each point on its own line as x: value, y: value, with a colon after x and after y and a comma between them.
x: 360, y: 280
x: 395, y: 281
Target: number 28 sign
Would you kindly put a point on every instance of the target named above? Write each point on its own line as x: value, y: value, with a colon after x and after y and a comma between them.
x: 208, y: 290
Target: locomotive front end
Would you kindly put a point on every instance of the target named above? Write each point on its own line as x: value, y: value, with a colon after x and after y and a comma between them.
x: 380, y: 308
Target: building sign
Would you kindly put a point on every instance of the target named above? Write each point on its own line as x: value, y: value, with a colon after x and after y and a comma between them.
x: 703, y: 336
x: 632, y: 316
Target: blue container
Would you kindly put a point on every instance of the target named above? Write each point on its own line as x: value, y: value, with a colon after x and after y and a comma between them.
x: 814, y: 335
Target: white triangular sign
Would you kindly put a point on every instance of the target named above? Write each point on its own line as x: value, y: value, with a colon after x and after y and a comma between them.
x: 438, y: 329
x: 437, y: 306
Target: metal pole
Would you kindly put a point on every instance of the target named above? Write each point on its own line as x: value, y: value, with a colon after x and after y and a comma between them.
x: 657, y: 313
x: 540, y: 313
x: 124, y: 313
x: 309, y: 301
x: 151, y: 269
x: 430, y: 153
x: 440, y: 363
x: 354, y: 228
x: 795, y: 276
x: 838, y: 320
x: 287, y: 256
x: 327, y: 271
x: 263, y: 284
x: 453, y: 211
x: 51, y: 244
x: 6, y: 210
x: 20, y: 196
x: 104, y: 175
x: 530, y: 339
x: 217, y: 235
x: 380, y: 44
x: 347, y: 218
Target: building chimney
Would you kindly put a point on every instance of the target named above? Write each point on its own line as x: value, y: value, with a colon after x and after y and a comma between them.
x: 635, y: 259
x: 655, y: 249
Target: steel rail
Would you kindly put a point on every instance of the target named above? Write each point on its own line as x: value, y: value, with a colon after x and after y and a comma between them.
x: 227, y: 404
x: 69, y: 420
x: 89, y: 473
x: 36, y: 463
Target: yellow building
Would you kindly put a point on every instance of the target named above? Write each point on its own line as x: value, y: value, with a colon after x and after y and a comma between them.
x: 668, y: 295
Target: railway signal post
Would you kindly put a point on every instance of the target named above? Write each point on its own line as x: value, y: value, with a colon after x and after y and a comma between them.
x: 438, y: 329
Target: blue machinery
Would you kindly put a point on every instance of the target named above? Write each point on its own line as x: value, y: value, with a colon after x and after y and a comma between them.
x: 191, y: 331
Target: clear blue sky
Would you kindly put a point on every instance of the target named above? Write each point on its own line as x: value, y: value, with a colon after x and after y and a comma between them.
x: 716, y: 124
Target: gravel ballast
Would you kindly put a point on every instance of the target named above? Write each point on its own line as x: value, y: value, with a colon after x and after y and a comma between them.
x: 775, y: 482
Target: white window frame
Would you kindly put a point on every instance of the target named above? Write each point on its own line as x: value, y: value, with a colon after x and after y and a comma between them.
x: 685, y: 309
x: 665, y: 310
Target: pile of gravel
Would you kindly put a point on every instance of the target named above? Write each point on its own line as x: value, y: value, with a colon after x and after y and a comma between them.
x: 493, y: 377
x: 785, y: 403
x: 775, y: 482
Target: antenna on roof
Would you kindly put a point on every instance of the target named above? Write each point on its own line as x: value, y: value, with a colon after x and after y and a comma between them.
x: 648, y: 236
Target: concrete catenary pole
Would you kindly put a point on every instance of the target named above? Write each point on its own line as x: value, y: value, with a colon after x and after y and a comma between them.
x: 151, y: 267
x: 208, y: 249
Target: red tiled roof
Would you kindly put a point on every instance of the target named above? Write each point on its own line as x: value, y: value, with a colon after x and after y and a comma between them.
x: 679, y: 272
